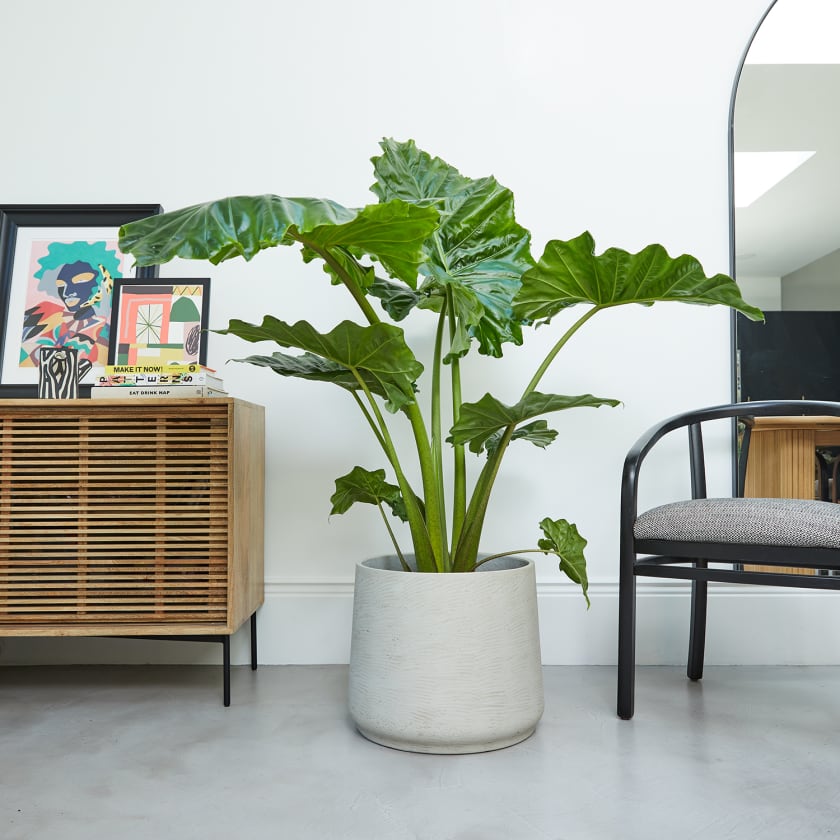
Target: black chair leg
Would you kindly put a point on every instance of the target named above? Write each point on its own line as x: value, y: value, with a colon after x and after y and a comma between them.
x: 254, y: 642
x: 626, y: 640
x: 697, y: 630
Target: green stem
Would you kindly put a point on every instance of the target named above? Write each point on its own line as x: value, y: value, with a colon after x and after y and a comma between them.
x: 369, y: 418
x: 431, y: 538
x: 352, y: 286
x: 437, y: 439
x: 427, y: 474
x: 406, y: 567
x: 459, y: 495
x: 508, y: 554
x: 427, y: 560
x: 546, y: 363
x: 467, y: 549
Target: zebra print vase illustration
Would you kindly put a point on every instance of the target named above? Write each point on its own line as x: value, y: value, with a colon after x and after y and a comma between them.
x: 59, y: 373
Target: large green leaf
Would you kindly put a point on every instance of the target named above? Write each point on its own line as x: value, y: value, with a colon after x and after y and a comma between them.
x: 481, y: 420
x: 478, y: 250
x: 396, y: 299
x: 378, y: 351
x: 570, y: 272
x: 366, y: 487
x: 537, y: 433
x: 563, y: 539
x: 316, y: 369
x: 219, y: 230
x: 392, y: 233
x: 403, y: 171
x: 241, y: 226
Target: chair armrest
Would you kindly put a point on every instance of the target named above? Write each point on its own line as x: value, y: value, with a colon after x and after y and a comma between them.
x: 766, y: 408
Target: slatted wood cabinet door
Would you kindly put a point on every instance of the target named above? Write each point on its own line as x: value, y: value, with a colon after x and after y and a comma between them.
x: 130, y: 517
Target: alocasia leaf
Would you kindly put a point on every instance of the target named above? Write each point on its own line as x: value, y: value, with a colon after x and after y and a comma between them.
x: 366, y: 487
x: 397, y: 300
x: 537, y: 433
x: 563, y: 539
x: 241, y: 226
x: 316, y: 369
x: 481, y: 420
x: 478, y: 250
x: 403, y: 171
x: 570, y: 273
x: 391, y: 233
x: 378, y: 351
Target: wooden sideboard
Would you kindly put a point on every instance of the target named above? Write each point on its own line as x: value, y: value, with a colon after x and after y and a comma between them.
x: 132, y: 517
x: 780, y: 463
x: 780, y: 460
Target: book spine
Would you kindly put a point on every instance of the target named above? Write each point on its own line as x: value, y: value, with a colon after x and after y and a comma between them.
x: 118, y: 370
x: 160, y: 391
x: 156, y: 379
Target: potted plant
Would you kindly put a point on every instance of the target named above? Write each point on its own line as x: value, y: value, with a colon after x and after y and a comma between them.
x: 445, y: 650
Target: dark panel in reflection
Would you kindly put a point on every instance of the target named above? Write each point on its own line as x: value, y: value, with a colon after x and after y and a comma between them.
x: 793, y: 355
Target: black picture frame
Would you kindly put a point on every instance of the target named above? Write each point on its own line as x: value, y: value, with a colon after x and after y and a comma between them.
x: 27, y: 391
x: 162, y: 287
x: 14, y: 217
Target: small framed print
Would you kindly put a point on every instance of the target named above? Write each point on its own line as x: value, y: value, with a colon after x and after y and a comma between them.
x: 58, y: 264
x: 159, y: 322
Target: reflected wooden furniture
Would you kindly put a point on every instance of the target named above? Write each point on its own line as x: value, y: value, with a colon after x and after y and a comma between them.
x: 780, y: 461
x: 132, y: 517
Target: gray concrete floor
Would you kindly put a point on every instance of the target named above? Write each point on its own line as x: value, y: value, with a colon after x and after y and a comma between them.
x: 150, y: 753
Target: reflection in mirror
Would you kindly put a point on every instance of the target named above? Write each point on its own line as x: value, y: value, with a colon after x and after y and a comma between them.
x: 786, y: 179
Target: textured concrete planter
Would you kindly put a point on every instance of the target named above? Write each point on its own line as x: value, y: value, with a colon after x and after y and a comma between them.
x: 446, y: 663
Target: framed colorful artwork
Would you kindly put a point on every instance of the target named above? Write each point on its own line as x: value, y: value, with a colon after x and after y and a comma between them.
x: 58, y: 264
x: 159, y: 322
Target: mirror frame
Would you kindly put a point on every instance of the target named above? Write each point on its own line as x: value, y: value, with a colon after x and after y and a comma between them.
x: 731, y: 153
x: 733, y: 366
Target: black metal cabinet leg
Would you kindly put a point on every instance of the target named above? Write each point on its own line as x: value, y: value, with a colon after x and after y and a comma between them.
x: 254, y: 642
x: 226, y: 668
x: 697, y: 630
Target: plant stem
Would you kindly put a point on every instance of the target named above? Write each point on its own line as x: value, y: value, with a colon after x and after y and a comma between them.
x: 351, y: 285
x: 437, y: 438
x: 546, y: 363
x: 509, y: 554
x: 459, y: 495
x: 467, y: 549
x: 369, y: 418
x: 431, y: 538
x: 427, y: 474
x: 406, y: 567
x: 427, y: 559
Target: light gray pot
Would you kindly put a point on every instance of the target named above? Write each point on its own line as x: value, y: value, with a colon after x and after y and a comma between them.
x: 446, y: 663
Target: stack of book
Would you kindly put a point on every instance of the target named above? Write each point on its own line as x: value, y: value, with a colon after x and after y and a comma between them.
x: 121, y: 381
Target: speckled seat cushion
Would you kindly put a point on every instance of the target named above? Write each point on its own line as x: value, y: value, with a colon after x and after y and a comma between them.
x: 785, y: 522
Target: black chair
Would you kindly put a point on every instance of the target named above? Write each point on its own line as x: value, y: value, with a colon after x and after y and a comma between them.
x: 703, y: 540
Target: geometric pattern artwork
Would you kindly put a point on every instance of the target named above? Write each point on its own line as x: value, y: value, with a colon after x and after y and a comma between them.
x: 159, y: 322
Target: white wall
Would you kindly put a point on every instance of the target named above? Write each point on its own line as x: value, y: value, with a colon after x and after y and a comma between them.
x: 763, y: 292
x: 606, y: 115
x: 814, y: 286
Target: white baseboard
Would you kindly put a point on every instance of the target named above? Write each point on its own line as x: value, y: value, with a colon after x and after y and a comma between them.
x: 309, y: 623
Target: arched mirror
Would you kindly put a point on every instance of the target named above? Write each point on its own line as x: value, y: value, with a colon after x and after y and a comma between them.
x: 785, y: 124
